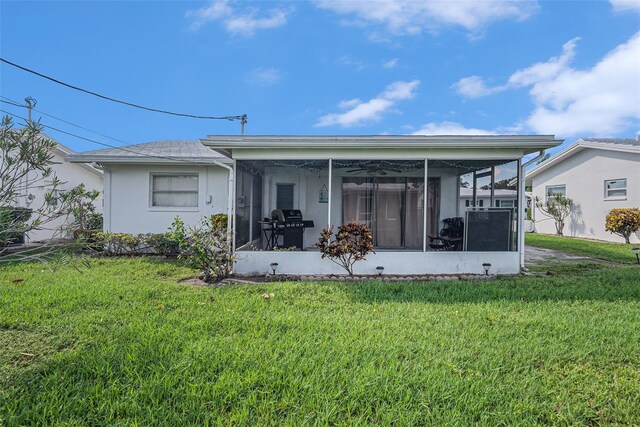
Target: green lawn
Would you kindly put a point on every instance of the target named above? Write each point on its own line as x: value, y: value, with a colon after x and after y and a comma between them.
x: 616, y: 252
x: 124, y: 344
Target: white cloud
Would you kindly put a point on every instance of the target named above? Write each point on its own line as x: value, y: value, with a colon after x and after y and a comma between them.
x: 392, y: 63
x: 358, y: 112
x: 349, y: 103
x: 474, y: 87
x: 264, y: 76
x: 399, y: 91
x: 245, y: 22
x: 545, y: 70
x: 599, y: 101
x: 450, y: 128
x: 625, y: 5
x: 412, y: 17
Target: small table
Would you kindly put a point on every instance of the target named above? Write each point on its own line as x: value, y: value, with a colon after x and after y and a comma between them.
x: 271, y: 234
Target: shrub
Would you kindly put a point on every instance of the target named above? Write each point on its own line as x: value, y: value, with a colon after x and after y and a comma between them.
x: 12, y: 224
x: 352, y: 243
x: 219, y: 221
x: 79, y: 204
x: 557, y: 207
x: 119, y: 243
x: 206, y: 247
x: 623, y: 222
x: 161, y: 243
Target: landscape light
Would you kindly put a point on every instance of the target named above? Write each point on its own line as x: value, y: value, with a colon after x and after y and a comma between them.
x: 274, y: 266
x: 636, y: 251
x: 380, y: 270
x: 486, y: 267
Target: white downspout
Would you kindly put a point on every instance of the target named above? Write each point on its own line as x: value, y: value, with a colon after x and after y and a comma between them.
x: 230, y: 216
x: 329, y: 193
x: 522, y: 202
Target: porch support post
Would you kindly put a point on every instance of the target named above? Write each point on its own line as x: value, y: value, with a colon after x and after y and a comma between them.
x: 232, y: 207
x: 474, y: 197
x: 521, y: 206
x: 492, y: 202
x: 425, y: 194
x: 329, y: 192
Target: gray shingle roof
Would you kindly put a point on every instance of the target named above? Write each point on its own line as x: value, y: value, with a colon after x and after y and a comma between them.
x: 621, y: 141
x: 172, y: 150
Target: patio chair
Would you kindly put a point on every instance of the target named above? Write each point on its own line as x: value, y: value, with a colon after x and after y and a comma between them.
x: 450, y: 237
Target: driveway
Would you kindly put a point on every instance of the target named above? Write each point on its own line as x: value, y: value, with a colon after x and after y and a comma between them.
x: 537, y: 256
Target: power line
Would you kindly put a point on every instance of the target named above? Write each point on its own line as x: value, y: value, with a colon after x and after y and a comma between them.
x: 8, y: 101
x: 242, y: 118
x: 12, y: 102
x: 175, y: 159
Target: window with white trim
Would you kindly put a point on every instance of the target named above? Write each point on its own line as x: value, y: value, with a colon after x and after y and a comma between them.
x: 174, y: 190
x: 556, y: 190
x: 615, y: 189
x: 505, y: 203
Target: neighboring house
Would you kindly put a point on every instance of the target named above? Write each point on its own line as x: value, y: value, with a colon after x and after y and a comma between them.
x: 501, y: 198
x: 598, y: 174
x: 286, y: 189
x: 147, y: 185
x: 70, y: 176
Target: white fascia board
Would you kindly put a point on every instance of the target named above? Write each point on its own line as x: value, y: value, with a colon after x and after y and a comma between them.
x: 526, y: 143
x: 376, y: 153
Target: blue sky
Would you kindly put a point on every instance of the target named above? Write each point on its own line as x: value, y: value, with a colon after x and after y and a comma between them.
x: 327, y: 67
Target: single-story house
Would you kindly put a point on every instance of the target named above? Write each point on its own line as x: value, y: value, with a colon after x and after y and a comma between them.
x: 147, y: 185
x: 70, y: 176
x: 598, y: 174
x: 281, y: 191
x: 501, y: 198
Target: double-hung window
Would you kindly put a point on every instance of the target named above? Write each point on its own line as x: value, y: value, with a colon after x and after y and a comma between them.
x: 555, y: 191
x: 615, y: 189
x: 174, y: 190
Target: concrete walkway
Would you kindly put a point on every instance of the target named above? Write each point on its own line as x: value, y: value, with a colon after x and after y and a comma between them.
x: 537, y: 256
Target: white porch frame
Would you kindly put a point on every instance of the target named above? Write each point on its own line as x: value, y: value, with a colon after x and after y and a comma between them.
x: 422, y: 148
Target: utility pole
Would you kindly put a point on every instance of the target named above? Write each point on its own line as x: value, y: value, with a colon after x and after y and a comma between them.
x: 31, y: 103
x: 243, y: 121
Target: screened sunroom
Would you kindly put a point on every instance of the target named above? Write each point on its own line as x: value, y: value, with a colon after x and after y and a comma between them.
x: 433, y: 205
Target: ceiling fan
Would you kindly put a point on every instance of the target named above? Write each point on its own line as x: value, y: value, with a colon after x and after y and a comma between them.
x: 374, y: 168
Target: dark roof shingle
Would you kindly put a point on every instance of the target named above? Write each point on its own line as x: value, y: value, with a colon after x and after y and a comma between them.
x: 171, y: 150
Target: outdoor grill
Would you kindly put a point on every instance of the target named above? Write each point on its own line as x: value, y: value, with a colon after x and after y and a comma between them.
x: 287, y: 223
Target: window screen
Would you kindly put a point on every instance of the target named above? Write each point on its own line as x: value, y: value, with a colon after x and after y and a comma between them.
x: 615, y: 189
x: 174, y: 190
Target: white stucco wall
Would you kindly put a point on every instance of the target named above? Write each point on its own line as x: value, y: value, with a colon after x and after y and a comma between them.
x: 128, y: 200
x: 394, y: 262
x: 71, y: 175
x: 584, y: 174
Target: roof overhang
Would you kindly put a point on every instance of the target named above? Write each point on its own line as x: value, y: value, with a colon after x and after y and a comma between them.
x: 231, y: 146
x: 579, y: 146
x: 64, y: 152
x: 84, y: 158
